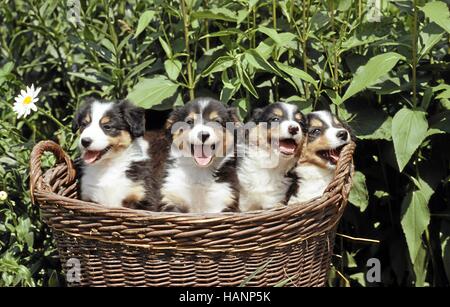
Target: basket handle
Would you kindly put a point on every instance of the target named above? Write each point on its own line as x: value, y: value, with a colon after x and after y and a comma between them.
x: 36, y: 179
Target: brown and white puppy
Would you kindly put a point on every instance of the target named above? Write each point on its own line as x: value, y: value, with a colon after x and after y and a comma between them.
x: 274, y: 146
x: 200, y: 173
x: 113, y: 155
x: 315, y: 170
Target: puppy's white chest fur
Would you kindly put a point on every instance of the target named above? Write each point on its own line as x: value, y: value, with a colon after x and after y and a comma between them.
x: 263, y: 183
x: 195, y: 188
x: 312, y: 182
x: 107, y: 183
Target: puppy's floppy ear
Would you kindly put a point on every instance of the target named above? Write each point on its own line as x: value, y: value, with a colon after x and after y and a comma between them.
x: 174, y: 116
x: 256, y: 115
x: 304, y: 122
x: 76, y: 122
x: 349, y: 129
x: 232, y: 114
x: 134, y: 117
x: 81, y: 113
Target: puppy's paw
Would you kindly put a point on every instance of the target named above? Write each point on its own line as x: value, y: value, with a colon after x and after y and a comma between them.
x: 171, y: 207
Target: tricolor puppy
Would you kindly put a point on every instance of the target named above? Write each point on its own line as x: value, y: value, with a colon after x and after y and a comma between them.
x: 273, y: 147
x: 315, y: 170
x: 113, y: 155
x: 200, y: 173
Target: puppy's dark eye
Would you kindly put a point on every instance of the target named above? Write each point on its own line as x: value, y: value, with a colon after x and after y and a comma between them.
x: 218, y: 120
x: 189, y: 121
x: 107, y: 127
x: 314, y: 131
x: 274, y: 119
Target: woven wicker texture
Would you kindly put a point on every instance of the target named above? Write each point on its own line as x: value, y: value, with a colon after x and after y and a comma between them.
x: 124, y: 247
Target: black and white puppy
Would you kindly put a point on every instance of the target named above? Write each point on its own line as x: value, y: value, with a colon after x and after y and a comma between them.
x: 114, y: 154
x: 315, y: 170
x: 200, y: 173
x: 273, y: 147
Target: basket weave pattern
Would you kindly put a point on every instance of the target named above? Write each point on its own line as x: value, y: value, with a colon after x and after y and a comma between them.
x: 124, y: 247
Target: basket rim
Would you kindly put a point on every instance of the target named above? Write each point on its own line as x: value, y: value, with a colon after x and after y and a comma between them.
x: 39, y: 188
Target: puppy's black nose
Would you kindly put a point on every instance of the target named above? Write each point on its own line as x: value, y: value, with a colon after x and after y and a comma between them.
x: 293, y: 130
x: 86, y: 142
x: 343, y: 135
x: 203, y: 136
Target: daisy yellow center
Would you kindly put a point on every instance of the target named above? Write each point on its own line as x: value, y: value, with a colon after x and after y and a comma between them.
x: 27, y: 100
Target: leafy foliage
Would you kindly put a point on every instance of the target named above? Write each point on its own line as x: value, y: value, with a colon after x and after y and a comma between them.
x: 388, y: 79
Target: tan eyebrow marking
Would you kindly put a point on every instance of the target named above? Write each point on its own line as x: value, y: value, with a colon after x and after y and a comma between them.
x: 277, y: 112
x: 336, y: 122
x: 192, y: 115
x: 87, y: 118
x: 213, y: 115
x: 316, y: 123
x: 298, y: 116
x: 105, y: 120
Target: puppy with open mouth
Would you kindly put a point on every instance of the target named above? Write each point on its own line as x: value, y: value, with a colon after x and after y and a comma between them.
x: 200, y: 173
x: 113, y: 154
x: 315, y: 170
x: 273, y: 147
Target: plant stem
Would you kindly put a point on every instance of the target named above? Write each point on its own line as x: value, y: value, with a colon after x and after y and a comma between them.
x: 187, y: 49
x: 254, y: 27
x: 414, y: 53
x: 304, y: 41
x: 274, y: 13
x: 56, y: 121
x: 335, y: 56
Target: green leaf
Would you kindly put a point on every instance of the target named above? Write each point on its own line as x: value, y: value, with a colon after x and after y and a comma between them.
x: 281, y: 39
x: 245, y: 81
x: 226, y: 32
x: 215, y: 13
x: 438, y: 12
x: 149, y: 93
x: 220, y: 64
x: 144, y: 20
x: 230, y: 87
x: 420, y: 266
x: 257, y: 61
x: 359, y: 196
x: 369, y: 123
x: 415, y: 216
x: 369, y: 74
x: 430, y: 35
x: 89, y: 78
x: 297, y: 73
x: 5, y: 71
x: 173, y: 68
x: 415, y: 219
x: 166, y: 47
x: 265, y: 48
x: 409, y: 129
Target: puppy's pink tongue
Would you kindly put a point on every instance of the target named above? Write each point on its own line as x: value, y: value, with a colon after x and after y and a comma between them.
x: 334, y: 156
x: 91, y: 156
x: 201, y: 157
x: 287, y: 146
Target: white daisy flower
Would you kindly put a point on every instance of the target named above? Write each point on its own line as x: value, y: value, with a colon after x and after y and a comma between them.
x: 25, y: 102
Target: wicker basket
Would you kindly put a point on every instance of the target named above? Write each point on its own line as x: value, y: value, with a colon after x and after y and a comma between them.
x: 124, y: 247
